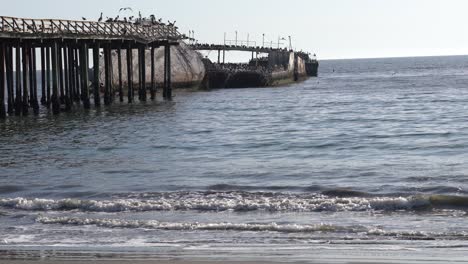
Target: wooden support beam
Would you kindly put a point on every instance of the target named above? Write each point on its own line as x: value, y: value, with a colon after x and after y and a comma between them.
x: 119, y: 62
x: 25, y: 61
x: 77, y: 75
x: 60, y: 70
x: 34, y: 99
x: 66, y: 70
x: 9, y: 79
x: 111, y: 75
x: 71, y: 73
x: 2, y: 81
x: 48, y: 77
x: 96, y: 83
x: 142, y: 63
x: 167, y: 73
x: 43, y: 77
x: 84, y: 63
x: 107, y: 79
x: 31, y: 76
x: 18, y: 99
x: 130, y: 74
x: 55, y: 79
x: 153, y: 76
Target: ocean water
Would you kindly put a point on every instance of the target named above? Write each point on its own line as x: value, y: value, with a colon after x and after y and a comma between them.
x: 368, y: 161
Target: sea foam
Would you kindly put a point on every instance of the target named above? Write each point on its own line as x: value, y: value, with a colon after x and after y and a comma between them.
x: 223, y: 201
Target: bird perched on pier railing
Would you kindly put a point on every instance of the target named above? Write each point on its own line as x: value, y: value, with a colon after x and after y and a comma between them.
x: 100, y: 18
x: 84, y: 18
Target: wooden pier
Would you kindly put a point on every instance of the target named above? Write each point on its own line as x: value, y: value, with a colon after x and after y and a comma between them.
x: 63, y: 48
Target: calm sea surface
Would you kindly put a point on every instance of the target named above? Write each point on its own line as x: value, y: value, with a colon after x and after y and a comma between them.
x: 368, y: 160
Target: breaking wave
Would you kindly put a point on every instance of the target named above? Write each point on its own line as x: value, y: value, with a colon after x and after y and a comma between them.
x: 238, y: 201
x: 249, y: 227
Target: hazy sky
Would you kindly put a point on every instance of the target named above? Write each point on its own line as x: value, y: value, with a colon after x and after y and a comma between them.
x: 330, y: 28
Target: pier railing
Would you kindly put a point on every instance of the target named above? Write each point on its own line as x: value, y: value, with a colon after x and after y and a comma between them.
x: 37, y: 28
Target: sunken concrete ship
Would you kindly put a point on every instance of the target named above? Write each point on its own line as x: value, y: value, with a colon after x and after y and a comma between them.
x: 189, y: 69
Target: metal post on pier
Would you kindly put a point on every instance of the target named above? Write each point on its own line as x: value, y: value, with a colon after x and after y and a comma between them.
x: 96, y: 82
x: 130, y: 73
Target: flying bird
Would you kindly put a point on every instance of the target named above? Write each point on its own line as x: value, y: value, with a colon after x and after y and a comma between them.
x: 125, y: 9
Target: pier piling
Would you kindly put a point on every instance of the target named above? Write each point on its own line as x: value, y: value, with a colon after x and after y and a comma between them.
x: 142, y: 64
x: 9, y: 79
x: 130, y: 74
x: 48, y: 77
x: 153, y: 77
x: 85, y: 76
x: 107, y: 88
x: 18, y: 99
x: 68, y: 101
x: 2, y: 81
x: 96, y: 82
x: 55, y: 85
x: 25, y: 61
x: 167, y: 93
x: 119, y: 66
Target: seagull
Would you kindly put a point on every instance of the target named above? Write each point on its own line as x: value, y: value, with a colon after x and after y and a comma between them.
x: 100, y: 18
x: 125, y: 8
x: 84, y: 18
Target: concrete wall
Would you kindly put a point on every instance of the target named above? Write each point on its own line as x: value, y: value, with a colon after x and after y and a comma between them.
x: 186, y: 64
